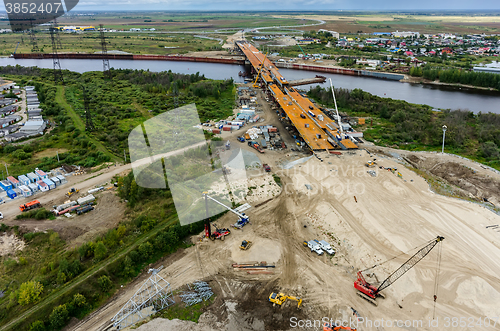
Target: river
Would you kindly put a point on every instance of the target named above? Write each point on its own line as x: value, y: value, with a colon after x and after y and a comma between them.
x: 435, y: 96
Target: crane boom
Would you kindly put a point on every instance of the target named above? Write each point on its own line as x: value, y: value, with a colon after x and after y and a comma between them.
x: 242, y: 216
x: 370, y: 292
x: 260, y: 70
x: 409, y: 264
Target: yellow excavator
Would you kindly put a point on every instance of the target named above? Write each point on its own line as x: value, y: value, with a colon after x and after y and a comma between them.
x: 255, y: 85
x: 280, y: 298
x: 72, y: 191
x: 245, y: 244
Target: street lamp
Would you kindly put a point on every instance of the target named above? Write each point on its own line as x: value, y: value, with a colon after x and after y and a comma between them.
x: 444, y: 134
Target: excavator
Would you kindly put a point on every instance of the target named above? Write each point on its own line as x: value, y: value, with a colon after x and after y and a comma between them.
x: 335, y: 327
x: 370, y: 292
x: 280, y: 298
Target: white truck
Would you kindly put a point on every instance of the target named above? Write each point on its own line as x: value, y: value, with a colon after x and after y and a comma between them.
x: 325, y: 246
x: 315, y: 247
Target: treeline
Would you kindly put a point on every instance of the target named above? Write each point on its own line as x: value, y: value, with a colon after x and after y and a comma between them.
x: 458, y: 76
x: 60, y: 268
x: 412, y: 126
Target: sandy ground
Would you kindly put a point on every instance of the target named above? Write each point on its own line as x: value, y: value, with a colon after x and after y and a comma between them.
x: 10, y: 243
x: 392, y: 216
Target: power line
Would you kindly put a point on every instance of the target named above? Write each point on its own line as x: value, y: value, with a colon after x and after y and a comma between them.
x: 34, y: 43
x: 105, y: 59
x: 58, y: 75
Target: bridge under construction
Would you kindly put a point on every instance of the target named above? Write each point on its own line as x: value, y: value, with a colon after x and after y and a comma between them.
x: 317, y: 130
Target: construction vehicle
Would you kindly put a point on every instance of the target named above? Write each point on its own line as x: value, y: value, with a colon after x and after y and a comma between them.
x: 280, y: 298
x: 241, y: 139
x: 256, y: 146
x: 30, y: 205
x: 219, y: 233
x: 266, y: 167
x: 245, y: 244
x: 315, y: 247
x: 72, y: 191
x: 243, y: 219
x: 370, y: 164
x: 228, y: 145
x: 258, y: 74
x: 335, y: 327
x: 370, y: 292
x: 325, y: 246
x: 12, y: 55
x: 305, y: 56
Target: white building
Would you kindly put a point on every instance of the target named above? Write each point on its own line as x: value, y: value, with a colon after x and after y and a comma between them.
x: 405, y: 34
x: 32, y: 126
x: 334, y: 33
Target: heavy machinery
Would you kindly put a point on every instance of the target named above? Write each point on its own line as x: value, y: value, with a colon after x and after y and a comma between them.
x: 370, y: 292
x: 245, y: 244
x: 370, y: 164
x: 305, y: 56
x: 243, y: 219
x: 219, y: 233
x: 258, y: 74
x: 335, y: 327
x: 13, y: 54
x: 280, y: 298
x: 72, y: 191
x: 256, y: 146
x: 30, y: 205
x: 266, y: 167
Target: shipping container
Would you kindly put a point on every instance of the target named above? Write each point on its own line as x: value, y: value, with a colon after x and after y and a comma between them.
x: 56, y: 181
x: 11, y: 194
x: 234, y: 127
x: 272, y: 130
x: 42, y: 186
x: 6, y: 185
x: 216, y: 131
x: 13, y: 181
x: 33, y: 187
x: 24, y: 180
x: 33, y: 177
x: 49, y: 183
x: 62, y: 179
x: 226, y: 128
x: 263, y: 143
x: 25, y: 191
x: 41, y: 174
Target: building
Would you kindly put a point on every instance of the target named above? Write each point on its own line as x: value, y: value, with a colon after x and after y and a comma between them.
x: 333, y: 33
x: 33, y: 127
x: 6, y: 85
x: 9, y: 120
x: 487, y: 69
x: 405, y: 34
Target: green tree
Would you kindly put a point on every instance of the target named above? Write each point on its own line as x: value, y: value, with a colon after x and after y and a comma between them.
x: 29, y: 292
x: 105, y: 283
x: 61, y: 278
x: 100, y: 251
x: 37, y: 326
x: 59, y: 316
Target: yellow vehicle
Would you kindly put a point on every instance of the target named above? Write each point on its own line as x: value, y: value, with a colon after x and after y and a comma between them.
x: 245, y: 244
x: 280, y: 298
x: 72, y: 191
x: 370, y: 164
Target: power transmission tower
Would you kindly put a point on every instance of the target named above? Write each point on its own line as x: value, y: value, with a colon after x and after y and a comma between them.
x: 105, y: 59
x: 89, y: 125
x: 58, y: 75
x: 58, y: 36
x: 34, y: 44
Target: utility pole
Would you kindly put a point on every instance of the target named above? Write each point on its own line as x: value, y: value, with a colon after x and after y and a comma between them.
x: 444, y: 134
x: 124, y: 157
x: 105, y: 59
x: 57, y: 153
x: 6, y: 170
x: 58, y: 75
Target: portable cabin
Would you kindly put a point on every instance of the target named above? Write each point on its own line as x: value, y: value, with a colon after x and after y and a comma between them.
x: 6, y: 185
x: 62, y: 179
x: 33, y: 187
x: 24, y: 180
x: 42, y: 186
x: 33, y: 177
x: 41, y: 174
x: 11, y: 194
x: 56, y: 181
x: 50, y: 183
x: 25, y: 191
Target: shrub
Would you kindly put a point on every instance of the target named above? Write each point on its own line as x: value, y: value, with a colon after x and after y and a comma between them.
x: 29, y: 292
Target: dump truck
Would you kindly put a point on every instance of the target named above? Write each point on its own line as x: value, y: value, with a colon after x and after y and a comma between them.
x: 245, y: 244
x: 280, y: 298
x: 72, y: 191
x: 30, y: 205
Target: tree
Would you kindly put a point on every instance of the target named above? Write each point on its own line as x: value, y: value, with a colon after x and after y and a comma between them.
x: 105, y: 283
x: 29, y: 292
x: 100, y: 251
x: 37, y: 326
x: 59, y: 316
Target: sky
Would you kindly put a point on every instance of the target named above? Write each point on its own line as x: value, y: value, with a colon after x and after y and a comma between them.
x: 264, y: 5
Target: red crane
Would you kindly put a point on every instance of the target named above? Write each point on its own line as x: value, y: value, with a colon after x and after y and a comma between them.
x: 370, y: 292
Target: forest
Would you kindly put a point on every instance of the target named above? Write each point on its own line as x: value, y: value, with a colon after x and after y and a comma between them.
x: 458, y: 76
x: 417, y: 127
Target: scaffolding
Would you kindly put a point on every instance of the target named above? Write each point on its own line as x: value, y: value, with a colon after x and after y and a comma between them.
x: 154, y: 295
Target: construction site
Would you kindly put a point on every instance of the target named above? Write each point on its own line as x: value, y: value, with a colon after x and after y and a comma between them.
x: 331, y: 233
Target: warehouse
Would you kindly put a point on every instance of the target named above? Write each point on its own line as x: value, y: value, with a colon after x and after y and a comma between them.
x: 33, y: 127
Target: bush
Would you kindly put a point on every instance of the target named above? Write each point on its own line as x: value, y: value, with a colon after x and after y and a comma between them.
x: 59, y: 316
x: 37, y: 326
x: 105, y: 283
x: 29, y: 292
